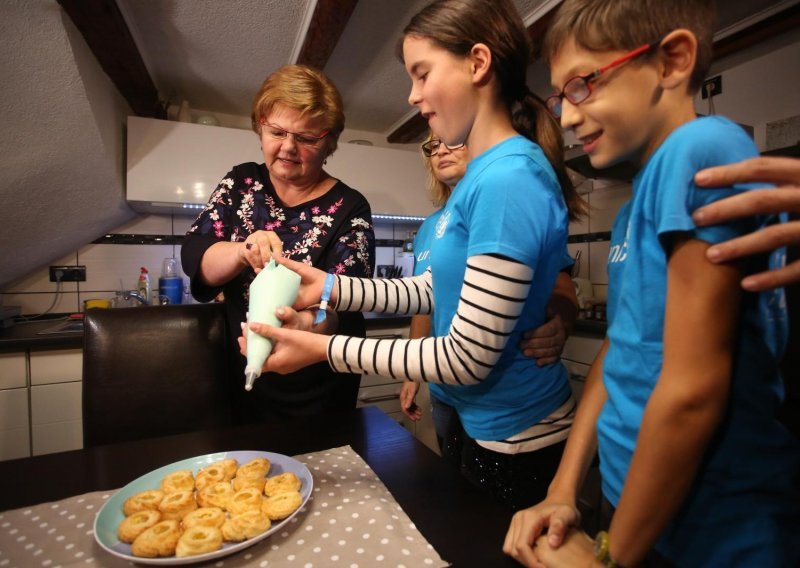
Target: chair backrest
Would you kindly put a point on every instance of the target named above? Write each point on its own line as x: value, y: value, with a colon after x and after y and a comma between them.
x: 154, y: 371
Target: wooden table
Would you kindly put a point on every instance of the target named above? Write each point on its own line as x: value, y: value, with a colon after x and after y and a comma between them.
x: 465, y: 526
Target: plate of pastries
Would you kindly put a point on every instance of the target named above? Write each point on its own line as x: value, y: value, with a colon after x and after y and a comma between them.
x: 203, y: 508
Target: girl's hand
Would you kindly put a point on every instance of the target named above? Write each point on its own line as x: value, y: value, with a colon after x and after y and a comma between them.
x: 546, y: 342
x: 576, y: 550
x: 258, y: 248
x: 311, y: 282
x: 529, y: 524
x: 292, y: 349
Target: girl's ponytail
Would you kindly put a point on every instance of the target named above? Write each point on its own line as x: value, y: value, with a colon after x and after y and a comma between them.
x: 532, y: 119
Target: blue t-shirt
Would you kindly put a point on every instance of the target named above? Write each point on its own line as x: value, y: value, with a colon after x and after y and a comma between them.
x: 742, y: 509
x: 508, y: 203
x: 422, y: 242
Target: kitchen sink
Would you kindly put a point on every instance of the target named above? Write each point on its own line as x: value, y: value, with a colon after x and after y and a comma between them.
x: 70, y: 326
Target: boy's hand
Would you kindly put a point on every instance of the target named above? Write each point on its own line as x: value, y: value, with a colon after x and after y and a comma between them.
x: 576, y: 550
x: 529, y: 524
x: 785, y: 173
x: 292, y: 349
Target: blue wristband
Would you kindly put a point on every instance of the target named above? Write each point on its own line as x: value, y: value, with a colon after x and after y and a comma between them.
x: 326, y: 296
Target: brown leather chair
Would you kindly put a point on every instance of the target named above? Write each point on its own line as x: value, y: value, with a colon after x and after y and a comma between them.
x: 154, y: 371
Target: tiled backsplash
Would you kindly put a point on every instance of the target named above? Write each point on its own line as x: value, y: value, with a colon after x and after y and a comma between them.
x: 114, y: 267
x: 605, y: 200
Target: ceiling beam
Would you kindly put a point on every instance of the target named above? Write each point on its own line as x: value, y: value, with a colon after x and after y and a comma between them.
x: 327, y: 26
x: 415, y: 128
x: 101, y: 24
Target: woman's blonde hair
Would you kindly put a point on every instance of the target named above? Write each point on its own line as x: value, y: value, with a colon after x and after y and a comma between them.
x: 306, y: 90
x: 438, y: 191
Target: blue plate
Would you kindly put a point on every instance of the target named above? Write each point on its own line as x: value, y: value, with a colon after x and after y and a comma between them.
x: 111, y: 515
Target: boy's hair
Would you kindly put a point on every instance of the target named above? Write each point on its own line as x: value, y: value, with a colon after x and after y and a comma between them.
x: 623, y: 25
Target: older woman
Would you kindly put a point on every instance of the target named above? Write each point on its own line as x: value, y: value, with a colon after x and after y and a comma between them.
x: 287, y: 206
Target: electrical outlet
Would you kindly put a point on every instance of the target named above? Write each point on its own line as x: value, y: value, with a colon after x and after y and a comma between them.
x: 712, y: 86
x: 68, y: 273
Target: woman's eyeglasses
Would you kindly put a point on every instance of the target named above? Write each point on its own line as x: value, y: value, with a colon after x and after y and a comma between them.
x: 278, y: 133
x: 431, y: 147
x: 578, y: 88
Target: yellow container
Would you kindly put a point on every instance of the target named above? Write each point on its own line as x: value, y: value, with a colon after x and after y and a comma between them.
x: 89, y: 304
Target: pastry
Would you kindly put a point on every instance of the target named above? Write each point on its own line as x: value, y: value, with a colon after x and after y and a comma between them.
x: 257, y: 483
x: 210, y: 475
x: 245, y: 500
x: 199, y: 540
x: 245, y: 525
x: 136, y: 524
x: 216, y: 495
x: 230, y: 466
x: 256, y: 467
x: 282, y: 505
x: 282, y: 483
x: 204, y: 517
x: 177, y: 505
x: 159, y: 540
x: 150, y: 499
x: 181, y: 480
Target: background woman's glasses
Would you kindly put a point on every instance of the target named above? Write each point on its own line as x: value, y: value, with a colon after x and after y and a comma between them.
x: 432, y: 147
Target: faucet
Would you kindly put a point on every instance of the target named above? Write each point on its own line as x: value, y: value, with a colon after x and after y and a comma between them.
x: 128, y: 294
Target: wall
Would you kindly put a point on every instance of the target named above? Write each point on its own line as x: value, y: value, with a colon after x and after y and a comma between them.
x: 114, y: 267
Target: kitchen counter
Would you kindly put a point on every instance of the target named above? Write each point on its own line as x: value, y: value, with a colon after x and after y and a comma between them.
x: 23, y: 336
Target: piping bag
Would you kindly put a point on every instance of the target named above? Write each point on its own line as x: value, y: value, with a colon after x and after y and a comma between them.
x: 273, y: 287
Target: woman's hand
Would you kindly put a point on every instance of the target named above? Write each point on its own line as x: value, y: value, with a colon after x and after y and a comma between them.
x: 311, y: 282
x: 546, y: 342
x: 258, y: 248
x: 785, y: 173
x: 529, y: 524
x: 408, y: 393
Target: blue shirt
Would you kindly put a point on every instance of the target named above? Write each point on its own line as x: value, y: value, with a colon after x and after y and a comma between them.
x: 422, y: 242
x: 742, y: 508
x: 508, y: 203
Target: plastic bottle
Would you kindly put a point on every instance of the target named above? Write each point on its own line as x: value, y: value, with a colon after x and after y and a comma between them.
x: 143, y: 285
x: 273, y: 287
x: 170, y: 284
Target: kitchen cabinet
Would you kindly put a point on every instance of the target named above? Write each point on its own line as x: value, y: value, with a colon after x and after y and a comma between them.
x: 174, y: 167
x: 40, y: 402
x: 56, y: 407
x: 14, y: 430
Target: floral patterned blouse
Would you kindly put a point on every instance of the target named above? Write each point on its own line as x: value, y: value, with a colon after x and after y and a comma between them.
x: 333, y: 232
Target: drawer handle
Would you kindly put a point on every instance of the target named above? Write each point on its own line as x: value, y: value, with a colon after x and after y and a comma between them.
x: 380, y: 398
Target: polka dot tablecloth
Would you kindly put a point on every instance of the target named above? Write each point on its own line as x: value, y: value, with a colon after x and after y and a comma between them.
x: 351, y: 520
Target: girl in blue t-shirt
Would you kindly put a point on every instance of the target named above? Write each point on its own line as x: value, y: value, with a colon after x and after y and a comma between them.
x: 497, y: 250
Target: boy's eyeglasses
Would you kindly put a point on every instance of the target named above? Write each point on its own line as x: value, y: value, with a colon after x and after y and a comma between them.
x: 431, y: 147
x: 578, y: 88
x: 278, y: 133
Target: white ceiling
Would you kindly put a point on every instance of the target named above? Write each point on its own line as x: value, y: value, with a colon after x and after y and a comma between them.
x: 215, y: 54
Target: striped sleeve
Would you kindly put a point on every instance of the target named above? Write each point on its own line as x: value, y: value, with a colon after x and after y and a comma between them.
x: 386, y: 295
x: 492, y: 297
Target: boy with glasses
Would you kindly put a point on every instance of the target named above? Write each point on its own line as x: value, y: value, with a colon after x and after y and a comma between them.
x: 681, y: 400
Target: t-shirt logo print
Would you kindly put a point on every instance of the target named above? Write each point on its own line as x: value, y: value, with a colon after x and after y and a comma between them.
x: 441, y: 224
x: 619, y: 253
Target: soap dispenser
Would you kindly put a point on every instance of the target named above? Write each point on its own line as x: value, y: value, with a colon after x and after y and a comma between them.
x: 144, y: 285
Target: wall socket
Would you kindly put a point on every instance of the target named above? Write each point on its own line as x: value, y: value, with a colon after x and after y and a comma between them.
x: 68, y: 273
x: 714, y: 85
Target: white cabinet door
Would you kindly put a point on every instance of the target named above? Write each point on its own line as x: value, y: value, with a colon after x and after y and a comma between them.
x: 56, y: 418
x: 60, y: 366
x: 13, y: 373
x: 14, y: 430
